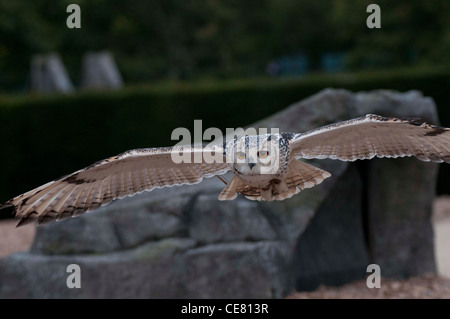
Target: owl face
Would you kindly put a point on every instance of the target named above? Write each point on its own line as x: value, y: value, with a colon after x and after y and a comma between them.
x: 256, y: 154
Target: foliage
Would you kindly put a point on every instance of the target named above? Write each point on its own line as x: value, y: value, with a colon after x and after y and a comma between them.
x: 193, y: 39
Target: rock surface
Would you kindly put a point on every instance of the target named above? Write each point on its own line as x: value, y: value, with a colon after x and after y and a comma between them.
x: 333, y: 250
x: 182, y: 242
x: 393, y: 226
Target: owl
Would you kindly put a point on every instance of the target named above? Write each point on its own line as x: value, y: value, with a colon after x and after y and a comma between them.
x: 265, y: 167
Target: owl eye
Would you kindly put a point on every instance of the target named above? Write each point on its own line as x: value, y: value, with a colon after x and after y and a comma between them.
x: 263, y: 154
x: 241, y: 155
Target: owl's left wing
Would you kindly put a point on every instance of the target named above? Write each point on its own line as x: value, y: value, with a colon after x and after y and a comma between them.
x: 374, y: 136
x: 123, y: 175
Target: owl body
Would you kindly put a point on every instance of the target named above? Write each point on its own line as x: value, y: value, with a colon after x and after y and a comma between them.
x: 264, y: 169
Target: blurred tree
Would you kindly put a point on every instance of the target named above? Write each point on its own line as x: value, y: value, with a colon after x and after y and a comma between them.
x: 170, y: 39
x: 23, y: 30
x: 411, y: 32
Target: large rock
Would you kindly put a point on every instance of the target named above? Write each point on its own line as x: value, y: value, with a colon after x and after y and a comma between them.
x: 251, y: 269
x: 168, y: 268
x: 211, y: 221
x: 394, y: 220
x: 135, y: 273
x: 333, y: 249
x: 113, y: 228
x: 182, y: 242
x: 399, y: 216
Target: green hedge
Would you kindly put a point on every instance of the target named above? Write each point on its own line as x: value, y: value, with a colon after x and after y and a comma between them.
x: 43, y: 138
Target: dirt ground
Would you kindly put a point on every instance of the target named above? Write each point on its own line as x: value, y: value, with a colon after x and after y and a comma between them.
x: 441, y: 224
x: 421, y: 287
x: 426, y: 286
x: 15, y: 239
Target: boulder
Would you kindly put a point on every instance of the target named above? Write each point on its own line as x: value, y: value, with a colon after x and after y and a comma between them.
x: 399, y: 212
x: 140, y: 272
x: 235, y: 270
x: 167, y: 268
x: 212, y: 221
x: 396, y: 195
x: 333, y: 248
x: 120, y: 227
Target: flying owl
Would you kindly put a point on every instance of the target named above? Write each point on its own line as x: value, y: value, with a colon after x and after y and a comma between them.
x: 266, y: 167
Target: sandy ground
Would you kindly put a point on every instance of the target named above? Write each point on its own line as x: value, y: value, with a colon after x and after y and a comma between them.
x: 421, y: 287
x: 442, y: 246
x: 441, y: 224
x: 15, y: 239
x: 426, y: 286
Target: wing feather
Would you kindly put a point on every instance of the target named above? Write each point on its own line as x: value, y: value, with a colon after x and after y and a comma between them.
x: 374, y: 135
x: 68, y: 204
x: 58, y: 204
x: 126, y: 174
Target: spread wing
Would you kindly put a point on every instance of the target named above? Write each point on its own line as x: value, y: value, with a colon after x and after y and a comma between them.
x: 126, y: 174
x: 374, y: 135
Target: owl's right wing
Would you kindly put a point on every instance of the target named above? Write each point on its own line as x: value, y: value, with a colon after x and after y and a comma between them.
x: 374, y: 136
x: 123, y: 175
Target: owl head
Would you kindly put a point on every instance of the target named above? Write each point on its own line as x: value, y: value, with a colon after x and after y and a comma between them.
x: 257, y: 154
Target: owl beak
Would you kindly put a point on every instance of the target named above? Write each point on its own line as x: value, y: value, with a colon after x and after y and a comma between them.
x: 251, y: 165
